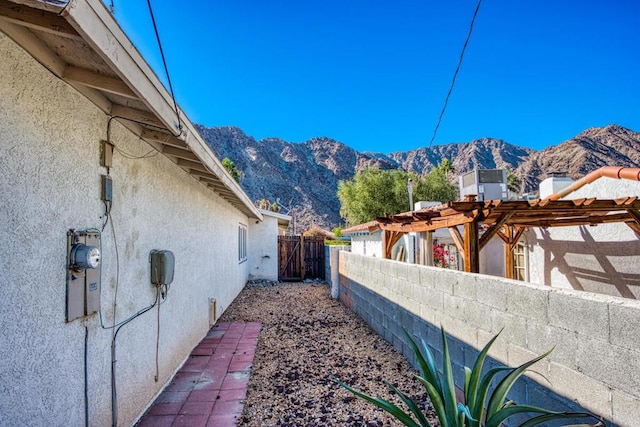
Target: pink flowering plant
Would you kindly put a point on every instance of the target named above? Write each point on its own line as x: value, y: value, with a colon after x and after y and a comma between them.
x: 440, y: 256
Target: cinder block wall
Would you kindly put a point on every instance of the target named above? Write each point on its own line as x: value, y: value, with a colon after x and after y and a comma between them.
x: 596, y: 361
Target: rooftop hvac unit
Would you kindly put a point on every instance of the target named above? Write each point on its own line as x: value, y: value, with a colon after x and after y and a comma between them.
x: 486, y: 184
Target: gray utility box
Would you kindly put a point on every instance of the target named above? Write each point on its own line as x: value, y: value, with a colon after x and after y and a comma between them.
x: 486, y: 184
x: 83, y: 274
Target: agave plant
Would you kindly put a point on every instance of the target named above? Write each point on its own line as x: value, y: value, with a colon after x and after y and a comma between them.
x: 483, y: 405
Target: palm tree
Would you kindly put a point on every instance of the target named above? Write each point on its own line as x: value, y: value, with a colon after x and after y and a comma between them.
x: 513, y: 182
x: 446, y: 166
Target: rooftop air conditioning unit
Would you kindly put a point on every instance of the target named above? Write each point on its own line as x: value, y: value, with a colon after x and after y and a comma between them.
x: 486, y: 184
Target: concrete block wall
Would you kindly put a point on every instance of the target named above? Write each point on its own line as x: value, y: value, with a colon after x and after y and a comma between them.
x: 595, y: 364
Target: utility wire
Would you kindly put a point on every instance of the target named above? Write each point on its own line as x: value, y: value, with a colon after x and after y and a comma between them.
x: 164, y: 62
x: 455, y: 75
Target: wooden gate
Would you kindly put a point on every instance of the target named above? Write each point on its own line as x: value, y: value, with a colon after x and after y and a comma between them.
x: 300, y: 258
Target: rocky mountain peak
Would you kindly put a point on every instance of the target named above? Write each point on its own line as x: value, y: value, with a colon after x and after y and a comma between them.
x: 303, y: 177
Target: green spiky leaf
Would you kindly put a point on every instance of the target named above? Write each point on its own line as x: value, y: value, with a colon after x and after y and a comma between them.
x: 413, y: 406
x: 500, y: 393
x: 448, y: 387
x: 533, y: 422
x: 436, y: 401
x: 383, y: 404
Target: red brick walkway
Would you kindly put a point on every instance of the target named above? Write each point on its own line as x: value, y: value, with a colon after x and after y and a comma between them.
x: 208, y: 391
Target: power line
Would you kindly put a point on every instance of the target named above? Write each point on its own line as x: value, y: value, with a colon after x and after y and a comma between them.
x: 453, y: 81
x: 164, y: 62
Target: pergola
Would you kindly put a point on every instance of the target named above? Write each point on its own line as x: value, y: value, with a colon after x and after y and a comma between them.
x: 482, y: 220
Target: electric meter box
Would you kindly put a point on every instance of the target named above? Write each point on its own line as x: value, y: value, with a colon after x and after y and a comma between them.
x: 83, y: 274
x: 162, y: 266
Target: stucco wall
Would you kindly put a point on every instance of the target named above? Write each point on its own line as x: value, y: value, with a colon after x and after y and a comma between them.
x: 367, y: 244
x: 49, y: 163
x: 596, y: 360
x: 602, y: 259
x: 263, y: 250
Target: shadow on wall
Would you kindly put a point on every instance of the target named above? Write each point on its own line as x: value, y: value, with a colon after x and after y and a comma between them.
x: 388, y: 320
x: 603, y: 267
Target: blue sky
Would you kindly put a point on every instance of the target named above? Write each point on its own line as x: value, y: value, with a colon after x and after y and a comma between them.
x: 374, y: 74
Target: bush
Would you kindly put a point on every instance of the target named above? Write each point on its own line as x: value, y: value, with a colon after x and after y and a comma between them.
x: 482, y: 407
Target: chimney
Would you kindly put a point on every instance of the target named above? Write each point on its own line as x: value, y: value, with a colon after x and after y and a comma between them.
x: 554, y: 182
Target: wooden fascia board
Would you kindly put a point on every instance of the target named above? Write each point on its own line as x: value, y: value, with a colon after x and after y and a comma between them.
x: 37, y: 19
x: 54, y: 6
x: 201, y: 149
x: 92, y: 20
x: 98, y: 81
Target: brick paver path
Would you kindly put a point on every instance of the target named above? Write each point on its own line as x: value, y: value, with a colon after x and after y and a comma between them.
x: 208, y: 391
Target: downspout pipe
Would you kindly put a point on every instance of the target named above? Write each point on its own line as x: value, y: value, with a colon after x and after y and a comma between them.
x: 615, y: 172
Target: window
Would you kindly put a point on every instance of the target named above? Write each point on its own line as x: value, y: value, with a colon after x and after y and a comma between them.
x: 242, y: 243
x: 520, y: 262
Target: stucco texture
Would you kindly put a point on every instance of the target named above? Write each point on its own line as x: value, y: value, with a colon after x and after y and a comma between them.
x: 602, y: 259
x: 262, y: 254
x: 49, y: 163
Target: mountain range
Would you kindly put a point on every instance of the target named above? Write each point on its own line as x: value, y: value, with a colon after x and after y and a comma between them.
x: 303, y: 177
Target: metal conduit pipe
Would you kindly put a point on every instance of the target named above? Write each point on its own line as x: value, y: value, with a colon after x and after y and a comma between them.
x: 616, y: 172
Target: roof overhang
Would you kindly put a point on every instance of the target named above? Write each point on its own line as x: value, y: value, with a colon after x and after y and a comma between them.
x: 283, y: 220
x: 81, y: 43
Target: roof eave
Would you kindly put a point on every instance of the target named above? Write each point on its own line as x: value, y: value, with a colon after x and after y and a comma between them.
x: 101, y: 33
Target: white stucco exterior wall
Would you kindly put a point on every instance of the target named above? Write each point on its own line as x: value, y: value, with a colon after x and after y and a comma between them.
x: 367, y: 244
x: 263, y: 246
x: 602, y: 259
x: 49, y: 163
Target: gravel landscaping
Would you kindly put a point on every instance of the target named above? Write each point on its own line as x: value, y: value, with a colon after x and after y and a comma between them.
x: 307, y: 339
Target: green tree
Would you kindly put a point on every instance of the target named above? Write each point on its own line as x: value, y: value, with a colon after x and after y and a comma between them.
x: 514, y: 184
x: 446, y: 166
x: 373, y: 192
x: 437, y: 187
x: 231, y: 168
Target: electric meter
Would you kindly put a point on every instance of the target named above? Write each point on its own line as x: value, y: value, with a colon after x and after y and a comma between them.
x: 84, y: 256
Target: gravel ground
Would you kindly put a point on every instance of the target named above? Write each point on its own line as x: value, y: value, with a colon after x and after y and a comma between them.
x: 306, y: 340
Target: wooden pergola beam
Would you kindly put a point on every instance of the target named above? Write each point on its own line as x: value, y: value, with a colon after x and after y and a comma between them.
x: 635, y: 224
x: 390, y: 238
x: 457, y: 239
x: 493, y: 229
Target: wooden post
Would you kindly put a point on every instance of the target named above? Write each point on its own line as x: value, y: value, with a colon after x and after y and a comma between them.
x: 471, y: 248
x: 508, y: 261
x: 302, y: 263
x: 471, y: 242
